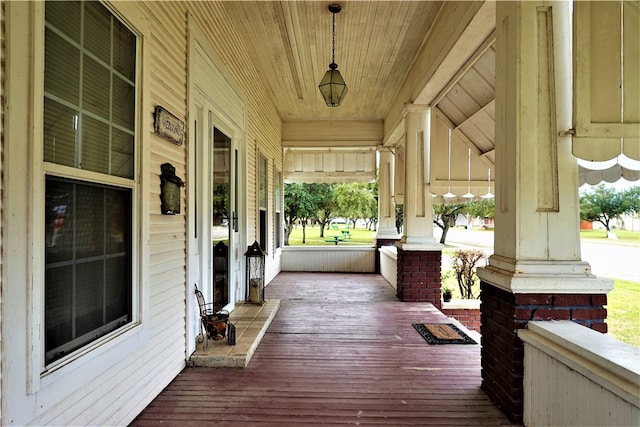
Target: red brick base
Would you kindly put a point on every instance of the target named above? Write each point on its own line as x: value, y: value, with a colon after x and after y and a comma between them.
x: 419, y: 276
x: 502, y: 314
x: 469, y: 317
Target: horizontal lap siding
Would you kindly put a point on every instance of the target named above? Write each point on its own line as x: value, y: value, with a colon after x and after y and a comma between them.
x: 2, y: 53
x: 126, y: 387
x: 122, y: 383
x: 167, y: 234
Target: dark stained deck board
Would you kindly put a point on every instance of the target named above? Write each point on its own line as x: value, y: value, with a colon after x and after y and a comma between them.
x: 341, y: 351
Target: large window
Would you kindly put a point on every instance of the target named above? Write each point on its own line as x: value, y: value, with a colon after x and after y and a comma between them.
x: 88, y: 152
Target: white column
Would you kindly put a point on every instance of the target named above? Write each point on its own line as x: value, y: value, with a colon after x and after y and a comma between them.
x: 386, y: 207
x: 537, y: 240
x: 418, y: 206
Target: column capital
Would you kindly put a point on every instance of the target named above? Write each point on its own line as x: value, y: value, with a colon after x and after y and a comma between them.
x: 414, y: 108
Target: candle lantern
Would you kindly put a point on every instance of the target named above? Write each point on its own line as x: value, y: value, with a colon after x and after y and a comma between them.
x: 255, y: 274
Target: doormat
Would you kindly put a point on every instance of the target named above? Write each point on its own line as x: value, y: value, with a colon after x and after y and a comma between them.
x: 442, y: 333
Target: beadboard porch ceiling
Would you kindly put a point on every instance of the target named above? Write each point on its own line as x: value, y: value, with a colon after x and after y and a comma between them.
x: 379, y: 47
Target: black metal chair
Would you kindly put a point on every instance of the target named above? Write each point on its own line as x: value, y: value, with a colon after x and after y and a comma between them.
x: 214, y: 321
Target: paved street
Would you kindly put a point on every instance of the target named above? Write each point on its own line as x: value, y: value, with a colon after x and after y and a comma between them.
x: 607, y: 259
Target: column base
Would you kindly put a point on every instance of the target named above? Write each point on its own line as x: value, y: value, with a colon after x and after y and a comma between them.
x: 419, y: 276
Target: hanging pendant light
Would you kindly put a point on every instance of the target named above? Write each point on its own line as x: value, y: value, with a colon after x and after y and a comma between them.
x: 488, y: 195
x: 449, y: 194
x: 332, y: 86
x: 469, y: 195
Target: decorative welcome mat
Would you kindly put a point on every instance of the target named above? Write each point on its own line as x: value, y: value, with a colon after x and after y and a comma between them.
x: 442, y: 333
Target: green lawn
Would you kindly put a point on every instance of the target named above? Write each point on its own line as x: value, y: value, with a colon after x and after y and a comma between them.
x: 624, y: 236
x: 358, y: 236
x: 623, y: 312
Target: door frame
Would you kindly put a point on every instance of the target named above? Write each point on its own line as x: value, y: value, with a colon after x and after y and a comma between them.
x: 211, y: 83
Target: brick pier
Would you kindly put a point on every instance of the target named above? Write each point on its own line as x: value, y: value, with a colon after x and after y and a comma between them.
x: 419, y: 276
x: 502, y: 314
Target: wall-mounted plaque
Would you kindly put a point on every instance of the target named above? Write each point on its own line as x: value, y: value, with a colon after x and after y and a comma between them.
x: 168, y: 126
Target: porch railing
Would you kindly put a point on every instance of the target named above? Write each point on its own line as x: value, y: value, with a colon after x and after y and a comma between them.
x: 576, y: 376
x: 335, y: 259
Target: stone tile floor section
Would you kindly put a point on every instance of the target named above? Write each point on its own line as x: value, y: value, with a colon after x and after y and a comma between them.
x: 251, y: 322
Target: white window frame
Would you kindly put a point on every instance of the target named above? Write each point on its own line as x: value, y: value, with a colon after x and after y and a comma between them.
x: 78, y: 365
x: 260, y: 157
x: 278, y: 192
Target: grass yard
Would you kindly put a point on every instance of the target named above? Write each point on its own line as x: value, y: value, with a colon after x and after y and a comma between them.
x: 358, y: 236
x: 623, y: 312
x: 624, y: 236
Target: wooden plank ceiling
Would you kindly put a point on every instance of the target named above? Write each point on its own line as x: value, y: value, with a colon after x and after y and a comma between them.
x: 377, y: 43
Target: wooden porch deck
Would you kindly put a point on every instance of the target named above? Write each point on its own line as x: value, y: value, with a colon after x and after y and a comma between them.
x: 340, y: 351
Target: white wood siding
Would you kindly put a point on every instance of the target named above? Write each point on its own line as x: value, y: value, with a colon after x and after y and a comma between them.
x: 574, y: 376
x: 2, y: 53
x: 112, y: 383
x: 329, y: 259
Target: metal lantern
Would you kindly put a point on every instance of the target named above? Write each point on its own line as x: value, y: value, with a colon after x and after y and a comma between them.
x: 332, y: 86
x: 255, y: 274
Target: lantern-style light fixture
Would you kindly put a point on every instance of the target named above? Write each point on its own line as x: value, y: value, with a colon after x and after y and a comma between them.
x: 255, y: 274
x: 332, y: 86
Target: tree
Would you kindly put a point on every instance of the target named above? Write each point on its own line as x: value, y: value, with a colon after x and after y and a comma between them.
x: 632, y: 200
x: 444, y: 215
x: 326, y: 204
x: 370, y: 213
x: 399, y: 218
x: 354, y: 200
x: 464, y: 263
x: 602, y: 204
x: 299, y: 204
x: 482, y: 208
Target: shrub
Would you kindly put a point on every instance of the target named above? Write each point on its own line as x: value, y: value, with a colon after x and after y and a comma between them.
x: 464, y: 264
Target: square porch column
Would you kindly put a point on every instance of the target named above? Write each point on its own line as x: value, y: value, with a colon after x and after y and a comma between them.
x: 536, y: 271
x: 419, y: 253
x: 387, y: 233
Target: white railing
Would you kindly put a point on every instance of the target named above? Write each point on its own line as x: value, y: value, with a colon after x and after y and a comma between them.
x: 338, y: 259
x: 575, y: 376
x: 389, y: 264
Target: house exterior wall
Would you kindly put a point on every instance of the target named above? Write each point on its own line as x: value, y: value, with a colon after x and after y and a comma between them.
x: 110, y: 383
x: 2, y: 55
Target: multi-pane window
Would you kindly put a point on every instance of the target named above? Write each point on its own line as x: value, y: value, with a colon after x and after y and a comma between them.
x: 262, y: 195
x: 89, y: 125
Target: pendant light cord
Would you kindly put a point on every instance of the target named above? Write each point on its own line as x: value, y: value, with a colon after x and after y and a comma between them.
x: 333, y: 39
